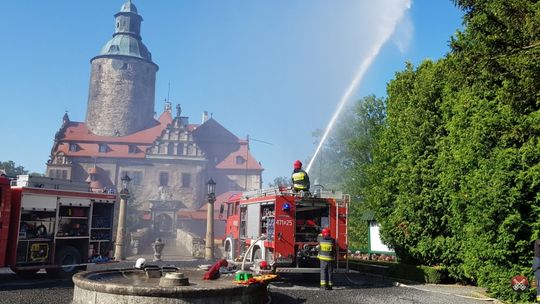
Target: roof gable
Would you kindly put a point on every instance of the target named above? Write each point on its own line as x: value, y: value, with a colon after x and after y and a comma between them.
x: 232, y: 161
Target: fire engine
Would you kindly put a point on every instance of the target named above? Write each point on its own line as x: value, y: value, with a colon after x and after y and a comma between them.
x: 282, y: 228
x: 47, y: 223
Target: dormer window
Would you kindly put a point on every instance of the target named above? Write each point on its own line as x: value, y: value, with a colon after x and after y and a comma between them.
x: 103, y: 148
x: 240, y: 160
x: 73, y: 148
x: 132, y: 149
x: 114, y: 49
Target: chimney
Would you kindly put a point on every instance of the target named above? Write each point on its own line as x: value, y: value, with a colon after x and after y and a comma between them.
x: 204, y: 117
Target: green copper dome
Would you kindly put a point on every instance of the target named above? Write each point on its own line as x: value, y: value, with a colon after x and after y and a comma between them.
x: 127, y: 46
x: 126, y: 40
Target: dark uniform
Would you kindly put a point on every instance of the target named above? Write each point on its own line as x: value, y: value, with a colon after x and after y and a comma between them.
x: 300, y: 180
x: 536, y: 268
x: 326, y: 258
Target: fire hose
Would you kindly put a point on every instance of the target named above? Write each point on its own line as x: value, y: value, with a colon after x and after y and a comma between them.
x: 250, y: 248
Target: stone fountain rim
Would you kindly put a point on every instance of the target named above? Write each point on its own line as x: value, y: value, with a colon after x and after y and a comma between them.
x: 81, y: 281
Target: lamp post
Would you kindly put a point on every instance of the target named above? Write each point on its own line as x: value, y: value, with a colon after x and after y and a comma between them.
x: 121, y: 232
x: 209, y: 249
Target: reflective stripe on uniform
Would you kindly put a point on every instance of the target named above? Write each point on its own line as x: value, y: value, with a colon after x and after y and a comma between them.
x: 298, y: 176
x: 326, y: 247
x: 323, y: 258
x: 300, y: 180
x: 326, y: 250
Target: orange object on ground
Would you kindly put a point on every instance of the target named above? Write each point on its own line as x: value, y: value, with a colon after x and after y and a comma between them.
x: 258, y: 279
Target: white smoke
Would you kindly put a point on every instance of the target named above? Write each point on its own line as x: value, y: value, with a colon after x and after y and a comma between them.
x: 394, y: 10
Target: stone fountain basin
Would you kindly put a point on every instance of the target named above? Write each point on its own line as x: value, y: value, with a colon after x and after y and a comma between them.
x: 123, y: 286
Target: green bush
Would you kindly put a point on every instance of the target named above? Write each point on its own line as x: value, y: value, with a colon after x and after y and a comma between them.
x: 454, y: 176
x: 421, y: 274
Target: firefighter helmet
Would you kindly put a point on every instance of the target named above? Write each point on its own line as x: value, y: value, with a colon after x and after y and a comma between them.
x: 297, y: 164
x: 325, y: 232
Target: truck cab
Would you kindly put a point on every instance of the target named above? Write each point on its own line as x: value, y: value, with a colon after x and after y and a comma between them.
x: 53, y: 224
x: 282, y: 228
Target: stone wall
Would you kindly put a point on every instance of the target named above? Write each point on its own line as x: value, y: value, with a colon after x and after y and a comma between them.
x: 184, y: 240
x: 121, y: 96
x: 147, y: 188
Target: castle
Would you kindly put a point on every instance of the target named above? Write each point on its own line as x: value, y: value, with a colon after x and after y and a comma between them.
x: 168, y: 159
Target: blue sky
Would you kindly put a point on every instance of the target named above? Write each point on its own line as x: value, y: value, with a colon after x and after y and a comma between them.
x: 273, y: 70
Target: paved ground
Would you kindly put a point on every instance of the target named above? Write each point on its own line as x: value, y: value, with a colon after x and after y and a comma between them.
x: 292, y: 288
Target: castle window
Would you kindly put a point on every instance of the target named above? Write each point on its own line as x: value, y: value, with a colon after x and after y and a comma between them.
x: 170, y: 148
x: 114, y: 49
x: 180, y: 149
x: 233, y: 186
x: 132, y: 149
x: 60, y: 159
x: 240, y: 160
x: 58, y: 173
x: 186, y: 180
x: 136, y: 177
x: 163, y: 178
x: 103, y: 148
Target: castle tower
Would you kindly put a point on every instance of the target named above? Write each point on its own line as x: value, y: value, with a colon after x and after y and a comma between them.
x: 122, y: 80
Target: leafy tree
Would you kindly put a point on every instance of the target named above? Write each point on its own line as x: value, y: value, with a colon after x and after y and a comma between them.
x: 344, y: 156
x: 12, y: 169
x: 364, y: 131
x: 455, y: 173
x: 281, y: 181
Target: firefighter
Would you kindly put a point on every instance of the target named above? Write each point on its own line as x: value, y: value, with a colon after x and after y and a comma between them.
x: 536, y: 268
x: 300, y: 178
x: 326, y: 258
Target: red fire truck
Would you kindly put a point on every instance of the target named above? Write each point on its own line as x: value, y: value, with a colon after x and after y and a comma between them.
x: 47, y: 223
x: 282, y: 227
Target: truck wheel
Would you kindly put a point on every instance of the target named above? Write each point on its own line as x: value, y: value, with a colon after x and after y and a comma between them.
x: 26, y: 273
x: 228, y: 250
x: 269, y: 255
x: 257, y: 254
x: 67, y: 255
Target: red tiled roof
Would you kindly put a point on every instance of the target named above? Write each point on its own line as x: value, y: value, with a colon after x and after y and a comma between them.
x: 117, y: 146
x: 230, y: 161
x: 192, y: 127
x: 113, y: 150
x: 78, y: 132
x: 235, y: 197
x: 222, y: 198
x: 165, y: 118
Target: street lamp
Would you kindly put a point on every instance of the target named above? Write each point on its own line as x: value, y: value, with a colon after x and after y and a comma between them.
x: 121, y: 232
x: 209, y: 248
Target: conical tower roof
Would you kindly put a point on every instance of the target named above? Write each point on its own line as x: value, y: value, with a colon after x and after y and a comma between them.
x: 126, y: 40
x: 128, y: 7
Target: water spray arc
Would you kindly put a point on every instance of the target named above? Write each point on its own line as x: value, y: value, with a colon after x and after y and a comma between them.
x: 364, y: 65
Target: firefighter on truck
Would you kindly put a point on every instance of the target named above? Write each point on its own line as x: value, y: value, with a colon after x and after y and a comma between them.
x: 291, y: 223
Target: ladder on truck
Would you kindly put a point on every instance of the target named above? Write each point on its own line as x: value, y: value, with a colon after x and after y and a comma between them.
x: 267, y: 192
x: 342, y: 230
